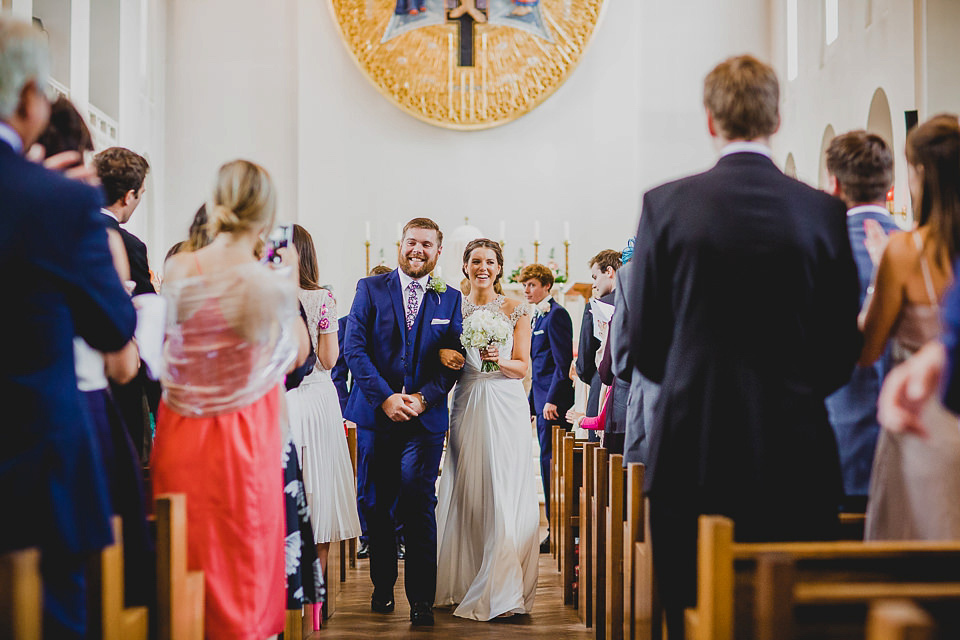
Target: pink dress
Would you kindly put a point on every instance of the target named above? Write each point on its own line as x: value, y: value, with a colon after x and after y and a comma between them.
x: 219, y: 442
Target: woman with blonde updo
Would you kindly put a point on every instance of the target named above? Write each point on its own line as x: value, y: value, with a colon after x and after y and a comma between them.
x: 233, y: 332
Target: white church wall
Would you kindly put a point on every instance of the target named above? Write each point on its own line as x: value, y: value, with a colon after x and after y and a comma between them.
x: 837, y: 82
x: 628, y: 118
x: 230, y: 92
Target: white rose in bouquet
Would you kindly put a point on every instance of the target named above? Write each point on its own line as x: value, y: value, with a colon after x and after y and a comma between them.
x: 485, y: 328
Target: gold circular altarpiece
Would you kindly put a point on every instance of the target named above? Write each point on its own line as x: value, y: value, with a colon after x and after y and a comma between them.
x: 467, y: 64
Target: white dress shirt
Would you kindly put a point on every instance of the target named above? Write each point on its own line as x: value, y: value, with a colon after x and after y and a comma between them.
x: 107, y: 212
x: 868, y: 208
x: 405, y: 281
x: 11, y: 137
x: 742, y: 146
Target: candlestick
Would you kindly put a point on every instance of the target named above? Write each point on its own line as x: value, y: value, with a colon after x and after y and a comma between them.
x: 536, y: 251
x: 366, y: 249
x: 566, y: 258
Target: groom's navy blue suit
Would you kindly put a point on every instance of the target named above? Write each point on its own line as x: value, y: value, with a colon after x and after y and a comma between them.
x: 386, y: 358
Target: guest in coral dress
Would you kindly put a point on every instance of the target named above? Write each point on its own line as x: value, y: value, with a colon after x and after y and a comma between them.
x: 232, y: 333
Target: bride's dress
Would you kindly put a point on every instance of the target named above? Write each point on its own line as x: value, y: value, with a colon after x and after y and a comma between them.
x: 488, y: 518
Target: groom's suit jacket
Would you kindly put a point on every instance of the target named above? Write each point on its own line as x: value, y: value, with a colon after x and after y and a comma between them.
x: 551, y: 352
x: 385, y: 358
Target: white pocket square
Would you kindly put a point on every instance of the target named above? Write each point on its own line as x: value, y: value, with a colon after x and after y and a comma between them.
x: 440, y: 321
x: 538, y: 333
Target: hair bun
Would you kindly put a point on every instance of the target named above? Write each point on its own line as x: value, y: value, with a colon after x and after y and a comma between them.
x: 224, y: 219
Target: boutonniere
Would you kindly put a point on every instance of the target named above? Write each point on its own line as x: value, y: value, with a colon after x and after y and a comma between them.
x: 437, y: 285
x: 543, y: 307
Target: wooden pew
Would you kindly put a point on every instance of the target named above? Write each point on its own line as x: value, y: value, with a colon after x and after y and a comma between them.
x: 108, y: 618
x: 556, y: 444
x: 180, y: 592
x: 642, y: 614
x: 783, y: 589
x: 734, y: 599
x: 898, y: 620
x: 585, y: 580
x: 613, y: 548
x: 21, y: 595
x: 598, y: 539
x: 351, y: 550
x: 570, y: 513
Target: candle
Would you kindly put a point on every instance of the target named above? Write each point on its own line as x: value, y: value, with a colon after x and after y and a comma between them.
x: 503, y: 230
x: 536, y: 231
x: 566, y: 231
x: 367, y: 227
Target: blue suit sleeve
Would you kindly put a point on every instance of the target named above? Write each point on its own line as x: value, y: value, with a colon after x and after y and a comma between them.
x: 356, y: 349
x: 560, y: 335
x: 103, y: 313
x: 951, y: 341
x: 440, y: 385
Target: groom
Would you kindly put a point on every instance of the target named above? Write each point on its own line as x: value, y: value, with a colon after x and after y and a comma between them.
x: 398, y: 324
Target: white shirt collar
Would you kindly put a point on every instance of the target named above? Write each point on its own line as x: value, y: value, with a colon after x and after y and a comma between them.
x: 867, y: 208
x: 107, y: 212
x: 11, y: 137
x: 742, y: 146
x: 405, y: 281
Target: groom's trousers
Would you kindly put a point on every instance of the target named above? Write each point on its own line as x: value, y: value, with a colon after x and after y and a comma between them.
x: 404, y: 459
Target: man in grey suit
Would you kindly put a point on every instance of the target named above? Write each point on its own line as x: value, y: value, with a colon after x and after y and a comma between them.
x: 636, y: 409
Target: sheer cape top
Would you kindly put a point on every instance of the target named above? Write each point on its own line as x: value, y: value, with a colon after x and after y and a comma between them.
x: 229, y: 338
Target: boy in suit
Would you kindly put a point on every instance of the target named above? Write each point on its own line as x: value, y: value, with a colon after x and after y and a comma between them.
x: 551, y: 352
x: 860, y: 168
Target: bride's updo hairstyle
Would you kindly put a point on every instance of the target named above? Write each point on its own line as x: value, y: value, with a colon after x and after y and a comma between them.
x: 485, y: 243
x: 244, y: 198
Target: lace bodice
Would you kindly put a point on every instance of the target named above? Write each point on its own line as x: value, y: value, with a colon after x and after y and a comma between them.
x: 473, y: 361
x: 496, y: 305
x: 321, y: 309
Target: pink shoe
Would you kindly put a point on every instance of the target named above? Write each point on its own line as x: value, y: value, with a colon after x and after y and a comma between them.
x: 317, y: 615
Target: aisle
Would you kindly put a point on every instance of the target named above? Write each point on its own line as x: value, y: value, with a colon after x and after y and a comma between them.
x: 354, y: 620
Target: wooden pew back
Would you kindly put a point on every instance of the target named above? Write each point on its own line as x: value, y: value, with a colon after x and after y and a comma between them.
x: 613, y: 598
x: 598, y: 515
x: 570, y: 512
x: 108, y: 618
x: 21, y: 595
x: 826, y: 574
x: 898, y: 620
x: 180, y: 592
x: 585, y: 580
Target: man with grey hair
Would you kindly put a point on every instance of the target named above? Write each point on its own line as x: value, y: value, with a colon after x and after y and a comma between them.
x: 60, y: 282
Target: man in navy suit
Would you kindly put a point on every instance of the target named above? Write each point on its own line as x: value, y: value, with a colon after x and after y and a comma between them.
x: 397, y: 325
x: 860, y: 168
x: 743, y: 306
x: 551, y: 352
x: 60, y: 283
x: 122, y: 173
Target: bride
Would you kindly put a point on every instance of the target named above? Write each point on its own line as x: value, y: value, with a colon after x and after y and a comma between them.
x: 488, y: 518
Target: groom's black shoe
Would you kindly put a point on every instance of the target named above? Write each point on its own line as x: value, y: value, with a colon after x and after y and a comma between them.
x: 421, y: 614
x: 545, y: 544
x: 382, y: 604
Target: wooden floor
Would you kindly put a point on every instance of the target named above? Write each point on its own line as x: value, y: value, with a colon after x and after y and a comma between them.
x: 353, y: 618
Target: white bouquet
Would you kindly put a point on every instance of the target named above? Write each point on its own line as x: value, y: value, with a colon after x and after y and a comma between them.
x: 484, y: 328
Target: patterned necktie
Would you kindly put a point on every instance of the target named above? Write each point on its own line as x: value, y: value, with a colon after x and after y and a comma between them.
x: 413, y: 303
